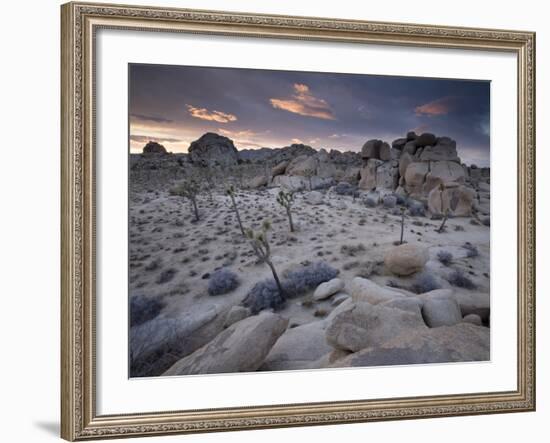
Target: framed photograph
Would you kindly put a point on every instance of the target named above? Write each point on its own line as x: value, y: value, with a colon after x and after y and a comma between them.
x: 283, y: 221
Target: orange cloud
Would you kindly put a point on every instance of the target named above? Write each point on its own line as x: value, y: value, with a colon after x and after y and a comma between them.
x: 205, y: 114
x: 441, y: 106
x: 303, y: 102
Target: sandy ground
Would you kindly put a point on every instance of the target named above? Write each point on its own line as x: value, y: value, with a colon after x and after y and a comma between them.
x: 171, y: 256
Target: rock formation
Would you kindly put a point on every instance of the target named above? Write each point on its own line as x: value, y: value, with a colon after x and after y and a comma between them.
x: 213, y: 150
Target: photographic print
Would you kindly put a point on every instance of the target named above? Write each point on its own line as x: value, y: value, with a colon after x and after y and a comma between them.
x: 286, y: 220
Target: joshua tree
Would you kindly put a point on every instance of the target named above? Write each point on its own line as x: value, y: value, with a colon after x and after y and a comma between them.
x: 188, y: 189
x: 442, y: 226
x: 402, y: 225
x: 285, y: 199
x: 231, y: 193
x: 260, y: 244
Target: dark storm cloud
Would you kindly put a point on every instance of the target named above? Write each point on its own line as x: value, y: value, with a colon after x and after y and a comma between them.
x: 150, y: 118
x: 271, y: 108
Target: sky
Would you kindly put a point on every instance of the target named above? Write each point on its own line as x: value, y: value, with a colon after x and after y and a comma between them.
x: 175, y: 105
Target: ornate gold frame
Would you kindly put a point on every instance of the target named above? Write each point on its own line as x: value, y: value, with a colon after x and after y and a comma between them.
x: 79, y: 420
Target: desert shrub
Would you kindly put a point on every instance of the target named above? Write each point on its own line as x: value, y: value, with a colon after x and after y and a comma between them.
x: 445, y: 257
x: 166, y: 276
x: 471, y: 250
x: 416, y: 208
x: 424, y: 282
x: 264, y: 295
x: 370, y: 202
x: 344, y: 188
x: 222, y: 281
x: 143, y: 309
x: 308, y: 277
x: 389, y: 201
x: 400, y: 199
x: 458, y: 279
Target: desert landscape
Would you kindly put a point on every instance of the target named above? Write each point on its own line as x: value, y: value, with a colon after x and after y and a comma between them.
x: 299, y: 258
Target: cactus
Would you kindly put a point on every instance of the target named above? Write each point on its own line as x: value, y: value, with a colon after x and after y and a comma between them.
x: 188, y: 189
x: 402, y: 224
x: 260, y: 245
x: 285, y: 199
x: 231, y: 193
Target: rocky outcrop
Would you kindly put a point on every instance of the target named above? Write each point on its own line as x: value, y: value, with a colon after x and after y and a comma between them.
x: 459, y: 343
x: 362, y: 325
x: 242, y: 347
x: 154, y: 148
x: 328, y: 289
x: 213, y: 150
x: 365, y: 290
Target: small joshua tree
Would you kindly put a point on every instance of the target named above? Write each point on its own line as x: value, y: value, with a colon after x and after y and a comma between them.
x: 402, y: 225
x: 231, y: 193
x: 260, y: 244
x: 442, y: 226
x: 188, y: 189
x: 285, y: 199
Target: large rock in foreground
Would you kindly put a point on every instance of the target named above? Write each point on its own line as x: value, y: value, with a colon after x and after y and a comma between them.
x: 362, y: 325
x: 213, y: 150
x: 459, y: 343
x: 365, y: 290
x: 240, y: 348
x: 298, y: 348
x: 406, y: 259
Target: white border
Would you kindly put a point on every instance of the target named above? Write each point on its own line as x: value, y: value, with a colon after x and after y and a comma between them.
x: 117, y: 394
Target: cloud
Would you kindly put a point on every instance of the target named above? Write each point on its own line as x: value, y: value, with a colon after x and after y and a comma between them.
x: 314, y: 141
x: 147, y: 138
x: 247, y: 133
x: 441, y: 106
x: 205, y: 114
x: 337, y: 136
x: 420, y: 129
x: 303, y: 102
x: 151, y: 118
x: 297, y: 141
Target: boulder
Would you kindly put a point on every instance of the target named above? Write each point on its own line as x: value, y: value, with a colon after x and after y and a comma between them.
x: 405, y: 160
x: 387, y: 176
x: 242, y: 347
x: 297, y: 183
x: 365, y: 290
x: 410, y: 147
x: 459, y: 343
x: 154, y: 148
x: 406, y: 259
x: 399, y: 143
x: 298, y: 348
x: 362, y: 325
x: 156, y: 344
x: 426, y: 139
x: 368, y: 174
x: 411, y: 304
x: 438, y: 201
x: 461, y: 200
x: 327, y: 169
x: 339, y: 298
x: 473, y: 319
x: 279, y: 168
x: 446, y: 172
x: 440, y: 152
x: 213, y: 150
x: 327, y: 289
x: 384, y: 152
x: 257, y: 182
x: 371, y: 149
x: 415, y: 176
x: 411, y: 135
x: 235, y: 314
x: 314, y: 198
x: 441, y: 311
x: 351, y: 175
x: 303, y: 165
